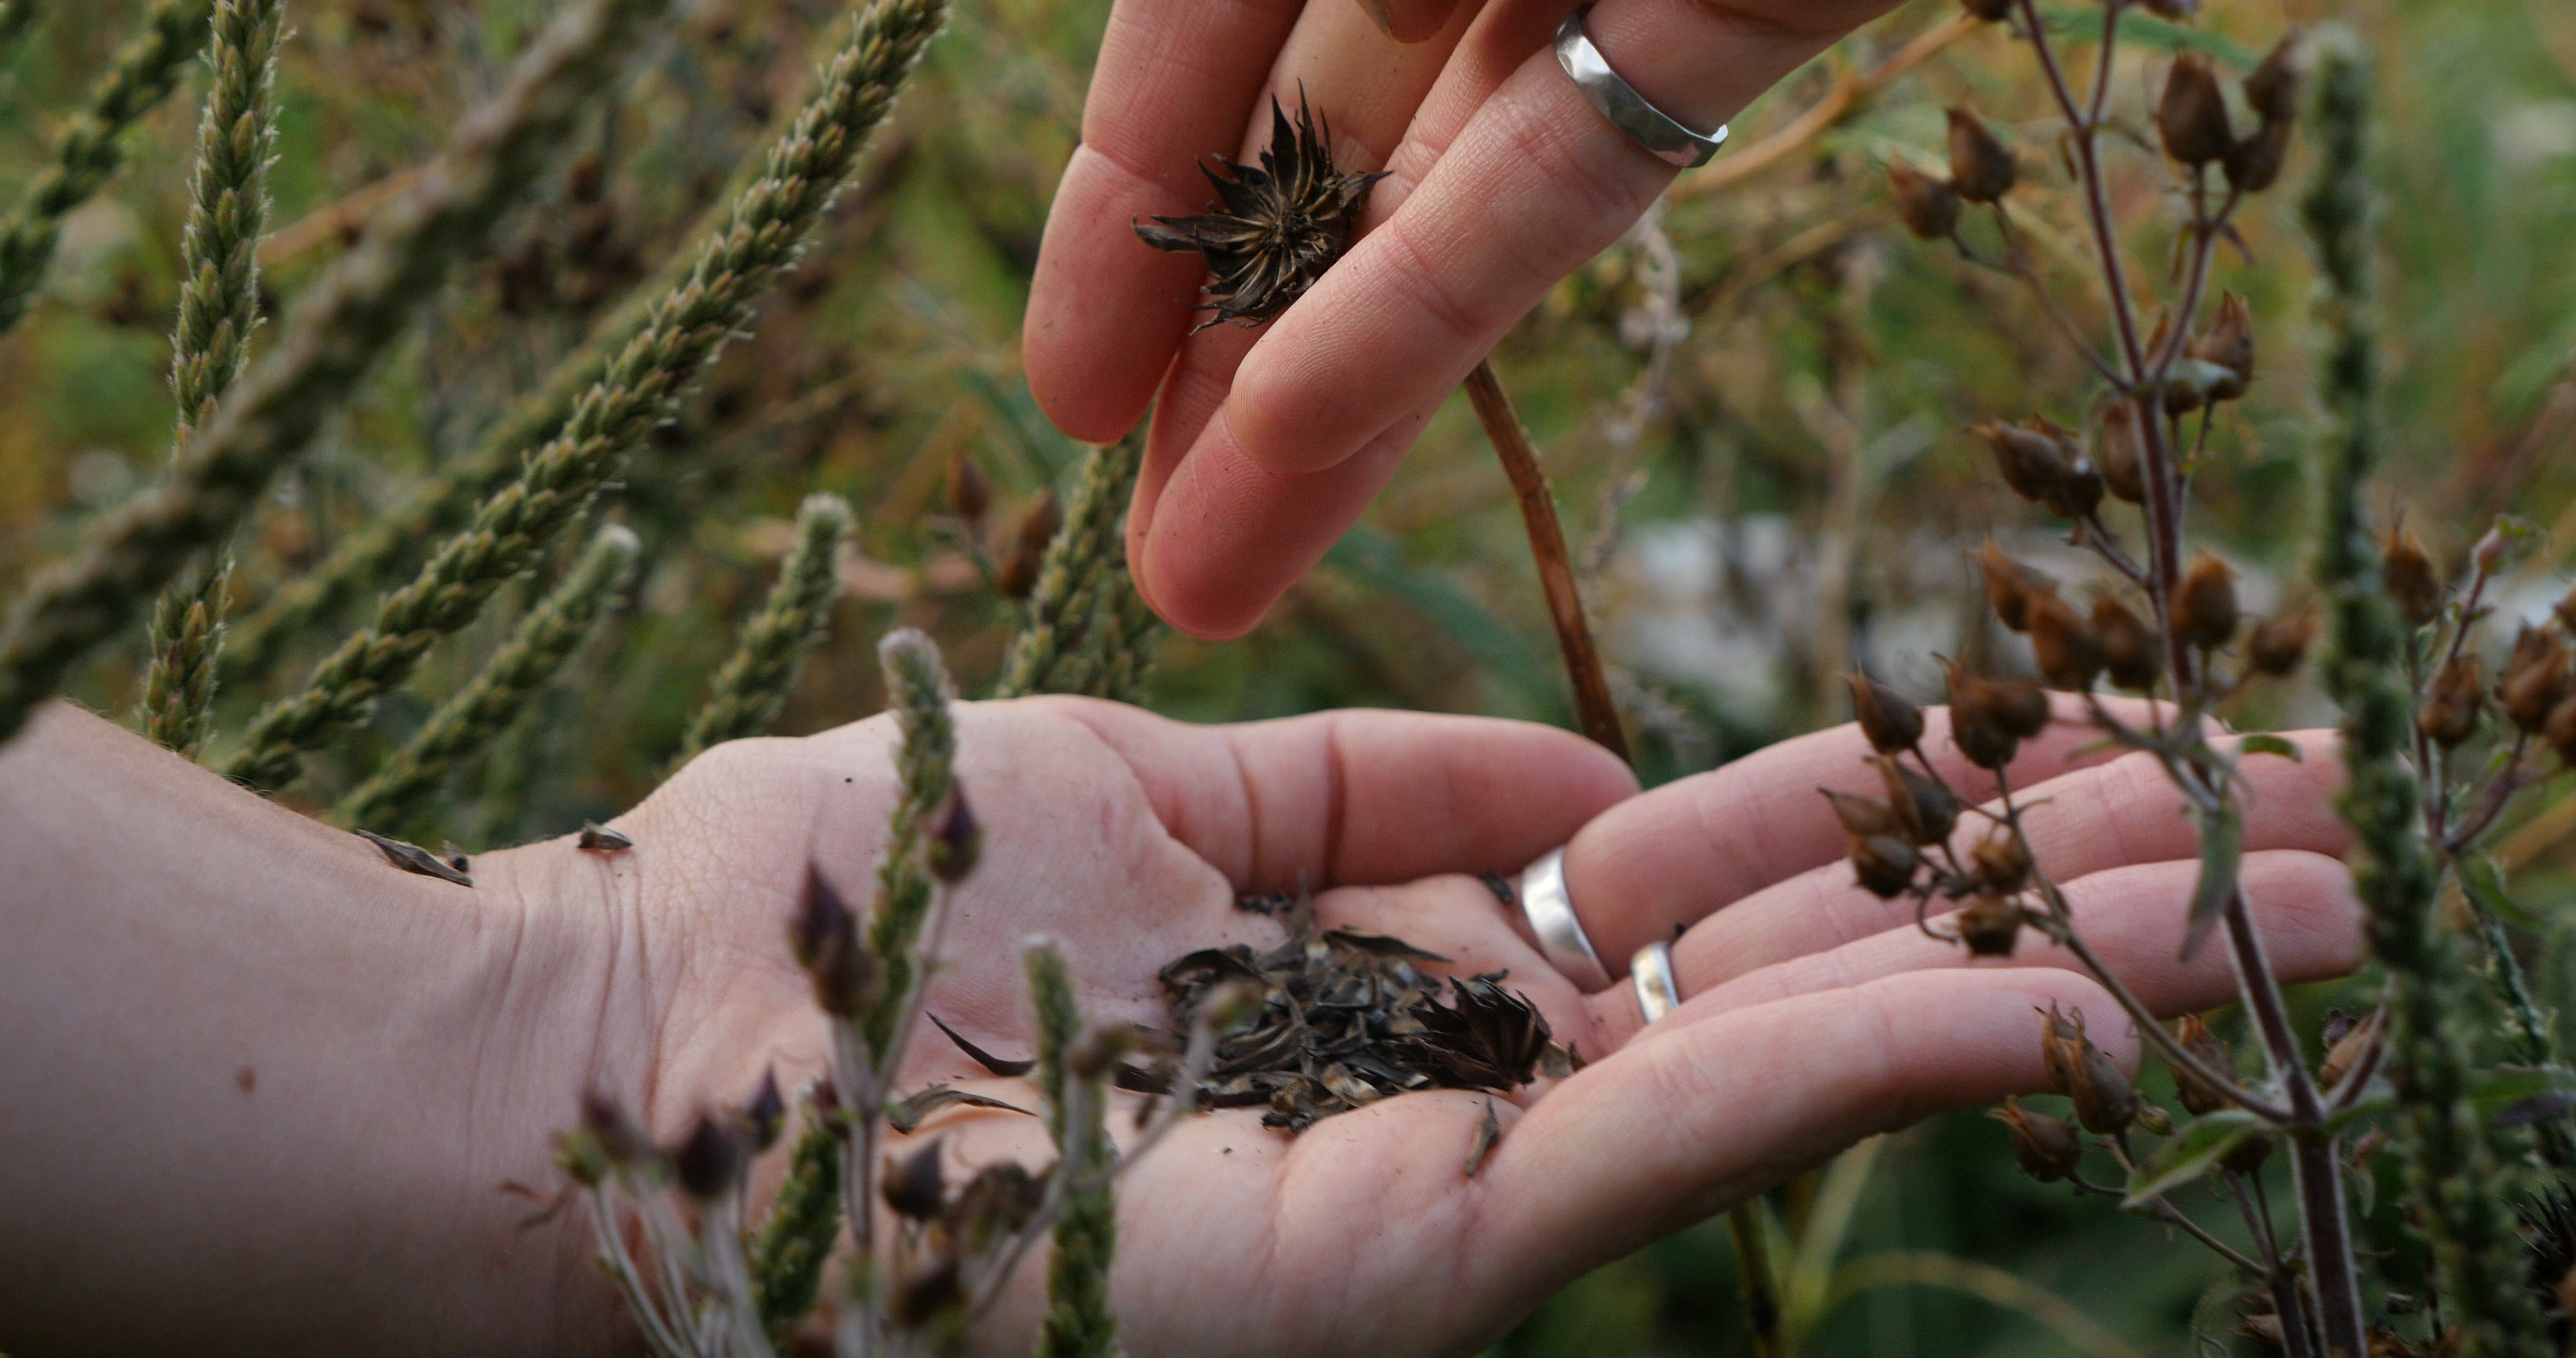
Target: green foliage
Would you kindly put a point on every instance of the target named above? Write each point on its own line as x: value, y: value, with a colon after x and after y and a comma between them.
x: 796, y: 1238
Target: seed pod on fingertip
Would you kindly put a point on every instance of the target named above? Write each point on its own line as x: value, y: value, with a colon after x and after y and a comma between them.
x: 1888, y: 718
x: 2046, y: 1148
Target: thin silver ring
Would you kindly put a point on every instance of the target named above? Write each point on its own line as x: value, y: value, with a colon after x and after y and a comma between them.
x: 1549, y: 908
x: 1659, y: 992
x: 1650, y: 127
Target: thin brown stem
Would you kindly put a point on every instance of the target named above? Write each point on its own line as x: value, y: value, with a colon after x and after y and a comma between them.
x: 1592, y: 704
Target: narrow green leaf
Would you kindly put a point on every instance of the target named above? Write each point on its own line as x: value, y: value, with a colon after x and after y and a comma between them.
x: 2193, y: 1152
x: 2222, y: 848
x: 2270, y: 744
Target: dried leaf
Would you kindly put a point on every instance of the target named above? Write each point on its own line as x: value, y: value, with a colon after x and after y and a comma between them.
x: 1009, y: 1070
x: 906, y: 1114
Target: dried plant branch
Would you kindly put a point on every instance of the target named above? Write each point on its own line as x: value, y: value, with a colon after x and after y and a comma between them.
x: 1088, y: 631
x: 753, y: 684
x: 756, y: 234
x: 218, y: 308
x: 87, y: 150
x: 466, y: 723
x: 1848, y: 95
x: 2451, y: 1170
x: 770, y: 224
x: 1593, y: 706
x: 345, y: 322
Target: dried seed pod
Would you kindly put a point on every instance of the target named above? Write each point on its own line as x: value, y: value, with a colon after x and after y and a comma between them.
x: 2032, y: 456
x: 1884, y: 865
x: 2191, y: 118
x: 2069, y: 652
x: 710, y: 1160
x: 1862, y: 817
x: 764, y: 1113
x: 2280, y: 643
x: 2228, y: 344
x: 956, y: 840
x: 824, y: 939
x: 2406, y: 572
x: 1275, y: 227
x: 2352, y: 1051
x: 1981, y: 166
x: 2045, y: 1147
x: 2254, y: 162
x: 1989, y: 718
x: 2061, y: 1045
x: 1925, y: 811
x: 2535, y: 678
x: 2010, y: 586
x: 969, y: 494
x: 2565, y: 608
x: 2105, y: 1101
x: 2131, y: 651
x: 916, y: 1186
x: 2272, y: 91
x: 2561, y: 730
x: 2450, y: 713
x: 2197, y: 1096
x: 2123, y: 456
x: 1888, y: 718
x: 1924, y: 204
x: 1038, y: 527
x: 1989, y: 925
x: 2204, y: 610
x: 2001, y: 862
x: 620, y: 1141
x: 2077, y: 493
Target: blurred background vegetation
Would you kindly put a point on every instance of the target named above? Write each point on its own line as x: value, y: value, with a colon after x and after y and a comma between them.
x: 1753, y: 409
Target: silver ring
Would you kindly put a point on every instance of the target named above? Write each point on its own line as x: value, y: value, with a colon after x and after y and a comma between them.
x: 1549, y: 909
x: 1658, y: 991
x: 1645, y: 124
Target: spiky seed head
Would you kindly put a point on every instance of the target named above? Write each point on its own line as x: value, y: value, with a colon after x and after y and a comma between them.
x: 1981, y: 166
x: 1924, y: 204
x: 1275, y: 227
x: 2191, y: 118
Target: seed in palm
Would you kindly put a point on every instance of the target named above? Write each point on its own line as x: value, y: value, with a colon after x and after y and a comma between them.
x: 1276, y: 227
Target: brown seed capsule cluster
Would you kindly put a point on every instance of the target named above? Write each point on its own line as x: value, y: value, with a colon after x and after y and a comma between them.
x: 2073, y: 648
x: 1981, y: 170
x: 2105, y: 1102
x: 1990, y: 718
x: 1276, y: 227
x: 2533, y: 693
x: 2193, y: 124
x: 2045, y: 464
x: 2197, y: 1096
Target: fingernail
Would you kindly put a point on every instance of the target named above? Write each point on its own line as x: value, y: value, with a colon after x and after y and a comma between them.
x: 1377, y: 13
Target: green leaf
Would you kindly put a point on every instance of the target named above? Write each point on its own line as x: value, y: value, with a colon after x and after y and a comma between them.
x: 1373, y: 560
x: 2222, y: 848
x: 2508, y: 1089
x: 2482, y: 879
x: 2269, y: 744
x: 2193, y: 1152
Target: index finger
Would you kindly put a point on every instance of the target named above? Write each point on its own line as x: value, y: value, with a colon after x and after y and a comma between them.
x: 1175, y: 82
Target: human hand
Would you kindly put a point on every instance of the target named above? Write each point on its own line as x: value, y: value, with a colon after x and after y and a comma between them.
x: 1501, y: 179
x: 1816, y: 1014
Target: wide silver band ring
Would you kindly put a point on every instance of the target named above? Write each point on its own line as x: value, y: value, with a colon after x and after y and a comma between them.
x: 1648, y: 126
x: 1549, y: 909
x: 1659, y: 992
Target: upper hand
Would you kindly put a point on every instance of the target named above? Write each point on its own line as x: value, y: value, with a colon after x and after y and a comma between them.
x: 1501, y: 180
x: 1815, y: 1014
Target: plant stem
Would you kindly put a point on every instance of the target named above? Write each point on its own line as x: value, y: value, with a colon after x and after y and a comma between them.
x: 1593, y: 707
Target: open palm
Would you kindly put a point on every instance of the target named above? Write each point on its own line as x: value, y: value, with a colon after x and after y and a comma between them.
x: 1816, y: 1013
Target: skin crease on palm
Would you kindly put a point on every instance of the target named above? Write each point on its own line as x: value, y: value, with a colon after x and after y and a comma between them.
x: 1817, y: 1014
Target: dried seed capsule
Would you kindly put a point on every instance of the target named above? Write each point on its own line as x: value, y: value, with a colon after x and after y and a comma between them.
x: 2191, y: 118
x: 1862, y: 817
x: 2228, y: 344
x: 2105, y: 1101
x: 969, y: 494
x: 2272, y: 91
x: 1981, y: 166
x: 2565, y: 608
x: 824, y: 939
x: 2406, y: 572
x: 1989, y: 718
x: 1925, y: 811
x: 2032, y: 457
x: 2001, y: 862
x: 2351, y: 1051
x: 620, y: 1141
x: 915, y: 1186
x: 710, y: 1160
x: 1884, y: 865
x: 956, y: 840
x: 2131, y: 651
x: 2561, y: 731
x: 2019, y: 705
x: 2123, y: 454
x: 2280, y: 643
x: 2204, y: 610
x: 2078, y: 492
x: 764, y: 1113
x: 1924, y: 204
x: 1989, y: 925
x: 2254, y: 162
x: 2069, y: 653
x: 2535, y: 678
x: 2061, y: 1044
x: 2010, y: 586
x: 1891, y: 720
x: 2197, y: 1096
x: 1038, y: 527
x: 2045, y: 1147
x: 2450, y: 714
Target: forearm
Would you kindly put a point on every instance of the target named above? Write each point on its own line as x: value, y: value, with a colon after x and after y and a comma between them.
x: 260, y: 1090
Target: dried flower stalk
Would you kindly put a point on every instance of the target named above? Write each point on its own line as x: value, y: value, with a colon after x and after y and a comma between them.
x: 345, y: 322
x: 753, y: 684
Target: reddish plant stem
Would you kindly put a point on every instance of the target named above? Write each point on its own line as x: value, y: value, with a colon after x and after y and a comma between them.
x: 1593, y: 707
